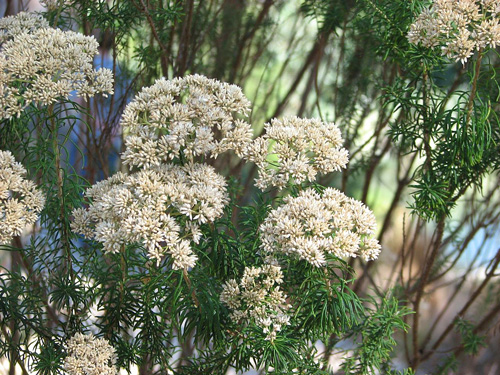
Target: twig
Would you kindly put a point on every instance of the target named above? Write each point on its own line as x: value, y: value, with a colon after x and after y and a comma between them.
x: 493, y: 266
x: 421, y: 283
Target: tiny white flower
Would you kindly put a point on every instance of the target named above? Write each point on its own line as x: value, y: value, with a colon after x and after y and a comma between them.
x: 310, y: 226
x: 257, y: 298
x: 90, y: 356
x: 20, y: 200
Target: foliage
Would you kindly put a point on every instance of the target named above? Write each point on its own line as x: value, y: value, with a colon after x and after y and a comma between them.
x: 373, y: 353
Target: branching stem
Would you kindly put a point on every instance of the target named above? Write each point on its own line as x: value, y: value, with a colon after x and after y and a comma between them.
x: 470, y: 103
x: 421, y: 283
x: 188, y: 282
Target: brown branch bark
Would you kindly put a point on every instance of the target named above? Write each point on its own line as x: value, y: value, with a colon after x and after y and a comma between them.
x: 184, y: 41
x: 317, y: 47
x: 247, y: 38
x: 164, y: 58
x: 493, y: 266
x: 420, y: 286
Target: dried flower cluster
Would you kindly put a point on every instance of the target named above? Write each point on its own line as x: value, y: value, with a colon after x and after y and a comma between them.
x: 258, y: 298
x: 295, y: 150
x: 88, y: 355
x: 20, y: 201
x: 45, y: 65
x: 311, y: 225
x: 459, y: 26
x: 185, y: 118
x: 159, y: 207
x: 23, y: 22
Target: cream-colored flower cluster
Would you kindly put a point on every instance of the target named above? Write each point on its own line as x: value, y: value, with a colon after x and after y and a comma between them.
x: 295, y: 150
x: 160, y: 207
x: 185, y: 118
x: 258, y: 298
x: 45, y: 65
x: 51, y: 5
x: 20, y: 201
x: 459, y: 26
x: 311, y: 226
x: 23, y: 22
x: 168, y: 128
x: 88, y: 355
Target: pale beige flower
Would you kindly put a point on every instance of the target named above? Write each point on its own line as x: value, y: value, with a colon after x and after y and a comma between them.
x: 88, y: 355
x: 370, y: 249
x: 295, y: 150
x: 22, y: 22
x: 47, y: 65
x: 460, y: 48
x: 311, y: 226
x: 187, y: 118
x: 161, y: 208
x: 20, y: 201
x: 425, y: 30
x: 487, y: 34
x: 459, y: 26
x: 492, y: 6
x: 51, y: 5
x: 258, y: 298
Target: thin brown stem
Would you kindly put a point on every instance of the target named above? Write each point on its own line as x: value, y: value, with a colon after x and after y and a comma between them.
x: 470, y: 103
x: 188, y: 282
x: 184, y: 42
x: 164, y: 61
x: 493, y: 266
x: 421, y: 283
x: 247, y: 38
x: 15, y: 358
x: 318, y: 45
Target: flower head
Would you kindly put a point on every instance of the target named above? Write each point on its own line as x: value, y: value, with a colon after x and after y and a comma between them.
x: 459, y: 27
x: 294, y: 150
x: 46, y: 65
x: 51, y: 5
x: 185, y: 118
x: 20, y: 201
x: 257, y: 298
x: 23, y: 22
x: 88, y: 355
x: 160, y: 207
x: 311, y: 226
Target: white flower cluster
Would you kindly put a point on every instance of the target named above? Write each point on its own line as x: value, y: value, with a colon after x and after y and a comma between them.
x: 163, y: 204
x: 160, y: 207
x: 45, y: 65
x: 23, y: 22
x: 88, y: 355
x: 185, y: 118
x: 258, y: 298
x: 295, y: 150
x: 311, y: 225
x: 459, y: 26
x: 20, y: 201
x: 51, y: 5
